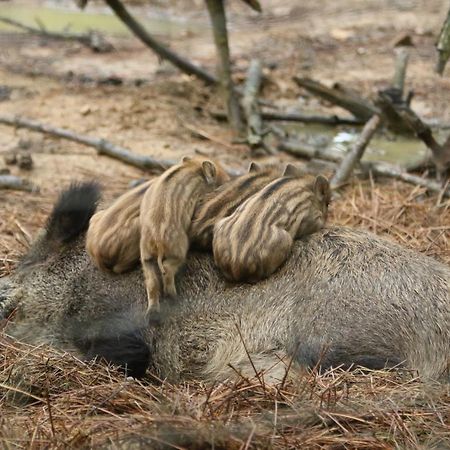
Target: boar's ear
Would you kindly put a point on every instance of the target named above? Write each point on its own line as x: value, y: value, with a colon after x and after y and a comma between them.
x: 254, y: 167
x: 209, y: 171
x: 322, y: 188
x: 72, y: 212
x: 186, y: 159
x: 291, y: 171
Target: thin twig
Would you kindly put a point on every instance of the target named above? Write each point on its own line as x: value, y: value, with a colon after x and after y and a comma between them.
x: 355, y: 154
x: 16, y: 183
x: 299, y: 117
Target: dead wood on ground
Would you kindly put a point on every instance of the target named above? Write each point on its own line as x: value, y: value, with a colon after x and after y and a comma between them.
x: 361, y: 108
x: 377, y: 168
x: 251, y: 108
x: 355, y: 154
x: 17, y: 183
x: 164, y: 52
x: 299, y: 117
x: 443, y: 46
x: 102, y: 146
x: 440, y: 153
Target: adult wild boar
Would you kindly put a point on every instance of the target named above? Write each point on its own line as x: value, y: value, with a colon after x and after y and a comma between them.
x: 343, y: 297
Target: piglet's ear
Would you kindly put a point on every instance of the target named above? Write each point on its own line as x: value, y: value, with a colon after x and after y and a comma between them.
x: 254, y: 167
x: 322, y: 188
x: 209, y: 172
x: 291, y: 171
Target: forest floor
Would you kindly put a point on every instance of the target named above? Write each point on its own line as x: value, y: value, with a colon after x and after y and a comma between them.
x: 157, y: 111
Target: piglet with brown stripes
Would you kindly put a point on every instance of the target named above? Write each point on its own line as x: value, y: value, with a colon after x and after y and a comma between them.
x: 166, y: 214
x: 224, y: 200
x: 112, y: 239
x: 257, y: 238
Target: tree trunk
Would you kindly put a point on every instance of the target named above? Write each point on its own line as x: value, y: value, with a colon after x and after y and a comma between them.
x: 216, y: 11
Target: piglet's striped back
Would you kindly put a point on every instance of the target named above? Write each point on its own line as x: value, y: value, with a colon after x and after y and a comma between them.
x: 223, y: 201
x: 257, y: 238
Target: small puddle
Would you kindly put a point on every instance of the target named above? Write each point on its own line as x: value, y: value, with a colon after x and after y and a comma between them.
x: 383, y: 147
x: 58, y: 17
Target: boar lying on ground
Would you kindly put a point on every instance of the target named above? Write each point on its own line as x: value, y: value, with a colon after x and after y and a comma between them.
x: 165, y: 217
x: 257, y: 238
x: 343, y: 297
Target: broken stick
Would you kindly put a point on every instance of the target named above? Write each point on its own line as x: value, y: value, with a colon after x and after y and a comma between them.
x: 443, y: 46
x: 358, y: 106
x: 102, y: 146
x: 440, y: 153
x: 355, y: 154
x: 298, y: 117
x: 164, y: 52
x: 17, y: 183
x: 251, y: 107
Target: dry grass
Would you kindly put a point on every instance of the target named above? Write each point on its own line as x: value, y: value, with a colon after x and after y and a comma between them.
x: 72, y: 404
x: 53, y: 400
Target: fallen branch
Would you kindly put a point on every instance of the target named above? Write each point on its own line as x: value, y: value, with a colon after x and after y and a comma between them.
x: 355, y: 154
x: 17, y: 183
x: 92, y: 40
x: 394, y: 95
x: 401, y: 64
x: 443, y: 46
x: 251, y: 107
x: 338, y: 95
x: 298, y: 117
x: 165, y: 53
x: 440, y: 153
x: 391, y: 171
x: 307, y: 151
x: 254, y: 4
x: 377, y: 168
x: 216, y: 9
x: 102, y: 146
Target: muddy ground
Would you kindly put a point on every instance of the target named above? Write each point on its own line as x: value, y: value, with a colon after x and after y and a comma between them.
x: 155, y: 110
